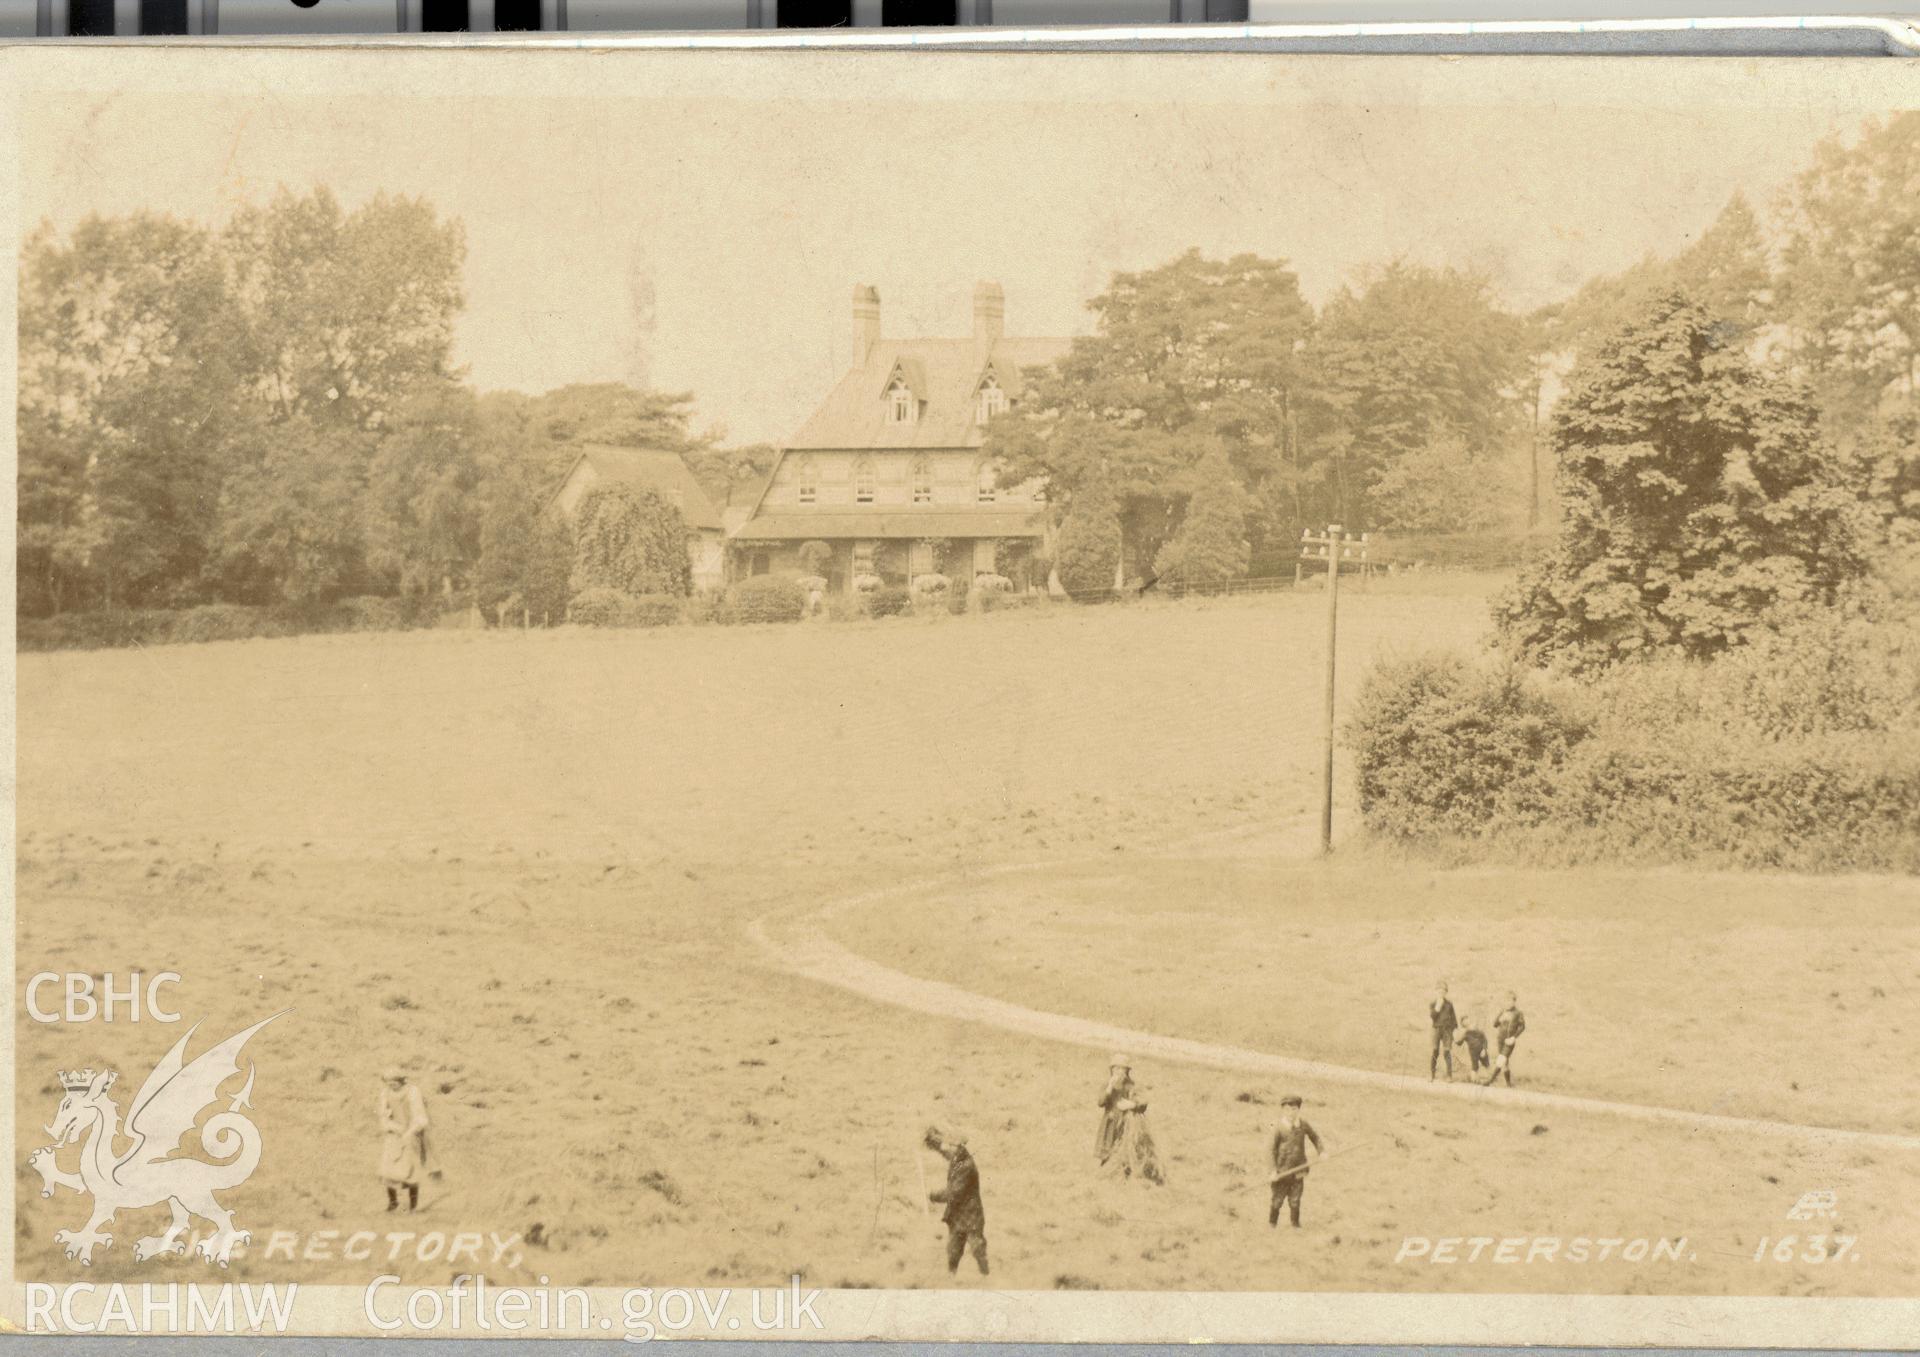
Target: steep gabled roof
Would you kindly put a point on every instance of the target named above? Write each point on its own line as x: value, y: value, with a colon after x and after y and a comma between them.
x: 659, y: 469
x: 944, y: 374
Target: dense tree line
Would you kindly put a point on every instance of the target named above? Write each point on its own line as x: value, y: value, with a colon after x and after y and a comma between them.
x: 1740, y: 441
x: 266, y: 413
x: 1218, y: 414
x: 1412, y: 402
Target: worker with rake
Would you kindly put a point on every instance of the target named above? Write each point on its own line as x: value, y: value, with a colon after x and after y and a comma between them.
x: 1289, y: 1155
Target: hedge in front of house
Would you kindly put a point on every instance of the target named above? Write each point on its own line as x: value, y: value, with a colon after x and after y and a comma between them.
x: 600, y: 608
x: 765, y: 598
x: 122, y: 627
x: 655, y: 610
x: 889, y: 601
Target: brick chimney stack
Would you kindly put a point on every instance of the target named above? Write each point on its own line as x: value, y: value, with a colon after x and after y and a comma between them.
x: 989, y: 318
x: 866, y: 323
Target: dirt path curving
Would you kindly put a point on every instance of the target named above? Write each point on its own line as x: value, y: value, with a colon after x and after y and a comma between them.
x: 794, y: 942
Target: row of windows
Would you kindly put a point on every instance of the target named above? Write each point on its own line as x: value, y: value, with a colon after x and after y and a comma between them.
x: 806, y: 478
x: 903, y: 407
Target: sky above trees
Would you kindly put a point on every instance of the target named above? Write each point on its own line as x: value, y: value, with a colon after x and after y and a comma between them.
x: 688, y: 242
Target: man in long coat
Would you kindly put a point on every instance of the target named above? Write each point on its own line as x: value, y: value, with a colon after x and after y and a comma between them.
x: 965, y: 1217
x: 404, y: 1158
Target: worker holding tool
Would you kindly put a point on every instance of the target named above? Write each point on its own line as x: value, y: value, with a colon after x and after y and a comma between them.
x: 965, y: 1218
x: 1289, y: 1155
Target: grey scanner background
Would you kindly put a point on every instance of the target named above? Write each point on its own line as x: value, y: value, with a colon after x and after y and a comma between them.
x: 25, y: 18
x: 229, y: 18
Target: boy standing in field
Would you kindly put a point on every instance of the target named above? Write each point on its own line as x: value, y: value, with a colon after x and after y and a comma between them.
x: 1475, y: 1041
x: 1289, y: 1154
x: 965, y: 1217
x: 1506, y: 1031
x: 1440, y: 1013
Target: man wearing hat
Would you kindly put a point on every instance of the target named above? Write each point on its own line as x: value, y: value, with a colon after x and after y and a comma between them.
x: 965, y: 1218
x: 403, y: 1138
x: 1289, y: 1152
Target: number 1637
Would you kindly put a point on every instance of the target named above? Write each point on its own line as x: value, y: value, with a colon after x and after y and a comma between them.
x: 1815, y: 1248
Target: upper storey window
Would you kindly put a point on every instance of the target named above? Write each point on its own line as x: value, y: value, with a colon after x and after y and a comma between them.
x: 992, y: 401
x: 902, y: 408
x: 806, y: 480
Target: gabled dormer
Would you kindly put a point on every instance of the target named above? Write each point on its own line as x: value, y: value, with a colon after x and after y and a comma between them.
x: 904, y: 393
x: 989, y: 397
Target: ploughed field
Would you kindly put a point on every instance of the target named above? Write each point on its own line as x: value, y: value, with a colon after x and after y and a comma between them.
x: 524, y: 865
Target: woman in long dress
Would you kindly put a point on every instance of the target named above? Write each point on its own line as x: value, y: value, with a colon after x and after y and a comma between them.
x: 404, y: 1158
x: 1124, y: 1145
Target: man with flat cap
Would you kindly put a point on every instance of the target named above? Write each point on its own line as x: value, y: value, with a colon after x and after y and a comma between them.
x: 965, y: 1218
x: 1289, y: 1154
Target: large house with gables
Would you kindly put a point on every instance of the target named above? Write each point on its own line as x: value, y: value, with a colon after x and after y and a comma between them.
x: 888, y: 472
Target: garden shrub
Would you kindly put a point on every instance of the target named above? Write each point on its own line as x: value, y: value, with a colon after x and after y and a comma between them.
x: 814, y: 557
x: 845, y: 607
x: 889, y: 601
x: 1798, y: 751
x: 655, y: 610
x: 1845, y: 802
x: 957, y: 601
x: 929, y: 584
x: 705, y: 606
x: 992, y: 584
x: 766, y: 598
x: 1087, y: 548
x: 370, y: 612
x: 600, y: 608
x: 219, y: 622
x: 867, y: 584
x: 632, y: 539
x: 1443, y: 745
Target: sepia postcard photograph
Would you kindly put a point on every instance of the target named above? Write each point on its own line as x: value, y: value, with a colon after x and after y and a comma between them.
x: 1076, y: 696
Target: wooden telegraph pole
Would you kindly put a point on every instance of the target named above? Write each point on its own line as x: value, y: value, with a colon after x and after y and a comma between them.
x: 1331, y: 550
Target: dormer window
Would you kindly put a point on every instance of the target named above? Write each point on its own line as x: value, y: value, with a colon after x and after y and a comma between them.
x: 920, y: 476
x: 863, y: 481
x: 902, y: 407
x: 992, y: 400
x: 985, y: 483
x: 806, y: 481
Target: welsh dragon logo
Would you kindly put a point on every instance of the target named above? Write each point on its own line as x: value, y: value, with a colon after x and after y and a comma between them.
x: 147, y: 1174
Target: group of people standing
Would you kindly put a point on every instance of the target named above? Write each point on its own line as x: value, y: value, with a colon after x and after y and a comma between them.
x: 1450, y: 1030
x: 1124, y: 1148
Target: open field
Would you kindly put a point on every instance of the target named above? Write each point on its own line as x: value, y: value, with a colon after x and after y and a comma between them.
x: 1783, y: 998
x: 525, y: 864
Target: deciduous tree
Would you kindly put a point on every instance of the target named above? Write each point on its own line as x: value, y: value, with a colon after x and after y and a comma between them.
x: 628, y: 537
x: 1697, y: 495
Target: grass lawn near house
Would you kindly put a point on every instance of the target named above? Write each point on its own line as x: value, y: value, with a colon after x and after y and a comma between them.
x: 525, y: 864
